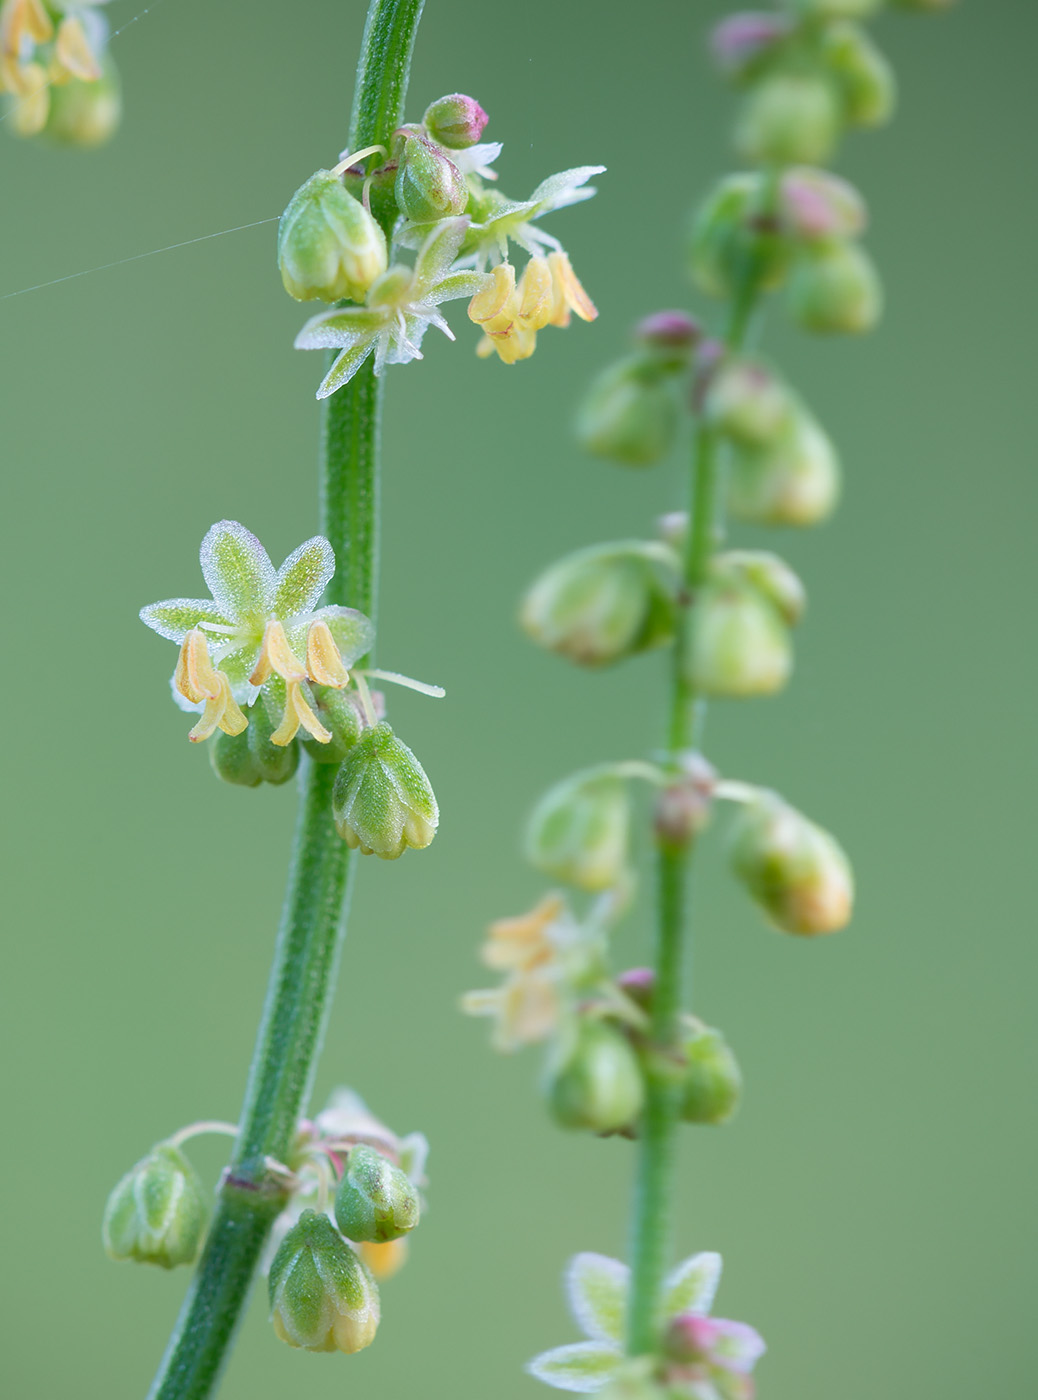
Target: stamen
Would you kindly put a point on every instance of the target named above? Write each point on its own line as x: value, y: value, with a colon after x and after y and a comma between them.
x: 278, y: 656
x: 298, y: 713
x: 195, y: 677
x: 323, y: 661
x: 349, y: 160
x: 221, y: 712
x: 395, y: 678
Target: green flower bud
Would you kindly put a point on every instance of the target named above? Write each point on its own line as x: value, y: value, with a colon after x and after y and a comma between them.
x: 604, y: 603
x: 769, y: 574
x: 866, y: 80
x: 579, y: 832
x: 274, y: 763
x: 795, y: 481
x: 713, y: 1083
x: 744, y: 44
x: 629, y: 414
x: 339, y: 713
x: 835, y: 289
x: 838, y: 9
x: 376, y: 1201
x: 329, y: 246
x: 85, y: 113
x: 322, y: 1296
x: 428, y: 185
x: 740, y: 644
x: 456, y: 121
x: 231, y: 759
x: 595, y: 1082
x: 748, y: 403
x: 789, y: 119
x: 382, y: 801
x: 797, y: 872
x: 726, y: 232
x: 157, y: 1214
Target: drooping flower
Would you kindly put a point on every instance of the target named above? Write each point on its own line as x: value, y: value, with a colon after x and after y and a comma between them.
x: 704, y: 1358
x: 400, y: 306
x: 260, y: 633
x: 511, y: 313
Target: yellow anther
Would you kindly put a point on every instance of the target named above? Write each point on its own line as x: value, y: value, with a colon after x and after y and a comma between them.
x: 568, y: 294
x: 496, y: 307
x: 73, y: 52
x: 518, y: 344
x: 32, y: 98
x: 323, y: 661
x: 19, y: 18
x: 195, y: 677
x: 298, y: 713
x: 536, y: 294
x: 384, y: 1259
x: 277, y: 655
x: 221, y: 712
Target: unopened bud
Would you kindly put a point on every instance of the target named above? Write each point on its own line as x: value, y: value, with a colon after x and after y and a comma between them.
x: 329, y: 245
x: 579, y: 832
x: 713, y: 1083
x: 84, y: 113
x: 638, y: 983
x: 157, y: 1214
x: 597, y: 1086
x: 727, y: 231
x: 835, y: 289
x: 429, y: 186
x: 795, y: 481
x: 456, y: 121
x: 376, y: 1201
x: 629, y: 414
x: 382, y: 801
x: 603, y: 603
x: 740, y: 643
x: 749, y: 404
x: 926, y: 5
x: 341, y: 714
x: 838, y: 9
x: 232, y: 761
x: 797, y: 872
x: 732, y: 1348
x: 275, y: 763
x: 769, y: 574
x: 817, y: 206
x: 866, y: 79
x: 743, y: 43
x: 322, y: 1298
x: 789, y: 119
x: 683, y: 805
x: 669, y: 337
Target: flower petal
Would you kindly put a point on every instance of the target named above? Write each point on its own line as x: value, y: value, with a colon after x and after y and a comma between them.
x: 597, y: 1287
x: 582, y: 1366
x: 303, y: 577
x: 559, y: 190
x: 344, y: 368
x: 438, y: 252
x: 176, y: 617
x: 736, y: 1346
x: 405, y: 344
x: 354, y: 633
x: 339, y: 329
x: 236, y: 568
x: 692, y: 1285
x: 458, y: 284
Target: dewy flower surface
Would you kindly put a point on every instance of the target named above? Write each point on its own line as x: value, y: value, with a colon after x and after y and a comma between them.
x: 401, y: 306
x: 260, y: 633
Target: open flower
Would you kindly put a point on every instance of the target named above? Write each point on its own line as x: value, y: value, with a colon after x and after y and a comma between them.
x: 511, y: 313
x: 37, y: 54
x: 706, y: 1358
x: 259, y: 633
x: 400, y: 306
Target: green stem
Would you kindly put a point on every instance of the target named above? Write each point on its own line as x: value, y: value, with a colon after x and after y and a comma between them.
x: 650, y: 1245
x: 252, y: 1192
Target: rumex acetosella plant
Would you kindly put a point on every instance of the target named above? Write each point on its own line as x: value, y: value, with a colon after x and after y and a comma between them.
x: 276, y: 668
x: 625, y: 1057
x: 57, y: 79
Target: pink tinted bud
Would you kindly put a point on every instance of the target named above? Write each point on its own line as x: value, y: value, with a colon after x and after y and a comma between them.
x: 730, y: 1346
x: 455, y: 121
x: 737, y: 42
x: 669, y: 330
x: 638, y: 983
x: 815, y: 205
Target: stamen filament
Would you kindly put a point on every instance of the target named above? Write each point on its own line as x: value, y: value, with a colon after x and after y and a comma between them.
x: 395, y: 678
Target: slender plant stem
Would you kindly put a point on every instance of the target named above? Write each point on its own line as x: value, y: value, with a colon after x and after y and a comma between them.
x: 253, y: 1190
x: 650, y: 1245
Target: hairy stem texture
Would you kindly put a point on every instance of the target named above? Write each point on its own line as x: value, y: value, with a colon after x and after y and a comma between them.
x: 302, y: 977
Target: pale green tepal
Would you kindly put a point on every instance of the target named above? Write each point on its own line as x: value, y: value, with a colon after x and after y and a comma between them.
x: 382, y: 800
x: 749, y: 403
x: 329, y: 246
x: 790, y: 119
x: 629, y: 414
x: 579, y: 832
x: 322, y: 1296
x: 835, y: 289
x: 863, y: 73
x: 594, y: 1080
x: 796, y: 871
x: 158, y: 1213
x: 794, y: 480
x: 739, y: 642
x: 605, y: 603
x: 376, y: 1202
x: 712, y: 1083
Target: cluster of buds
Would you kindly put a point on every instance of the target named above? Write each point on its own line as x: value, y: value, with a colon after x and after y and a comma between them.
x: 269, y: 671
x: 354, y: 1194
x: 340, y: 236
x: 700, y: 1357
x: 56, y: 73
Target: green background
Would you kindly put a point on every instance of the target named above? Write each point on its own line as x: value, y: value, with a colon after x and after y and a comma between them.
x: 874, y: 1200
